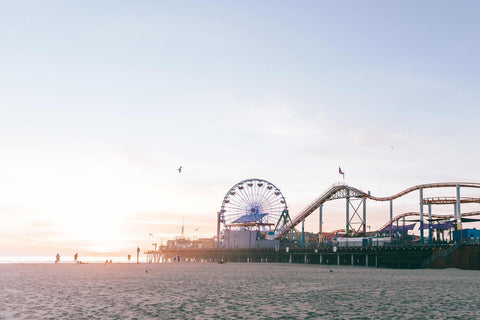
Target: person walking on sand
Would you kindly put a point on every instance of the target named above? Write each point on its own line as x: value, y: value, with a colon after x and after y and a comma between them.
x: 57, y: 260
x: 75, y: 257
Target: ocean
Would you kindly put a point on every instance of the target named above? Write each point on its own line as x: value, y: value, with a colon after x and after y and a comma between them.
x: 234, y: 291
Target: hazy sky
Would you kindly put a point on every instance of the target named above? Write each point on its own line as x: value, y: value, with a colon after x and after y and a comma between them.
x: 101, y: 101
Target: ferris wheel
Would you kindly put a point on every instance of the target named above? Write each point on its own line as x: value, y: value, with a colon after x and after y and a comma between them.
x: 253, y: 204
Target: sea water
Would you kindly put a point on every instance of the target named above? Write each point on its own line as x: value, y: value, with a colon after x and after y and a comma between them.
x: 235, y: 291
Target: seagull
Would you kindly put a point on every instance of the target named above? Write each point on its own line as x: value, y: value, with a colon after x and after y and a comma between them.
x: 151, y: 235
x: 331, y: 270
x: 180, y: 169
x: 146, y: 271
x: 391, y: 147
x: 197, y: 229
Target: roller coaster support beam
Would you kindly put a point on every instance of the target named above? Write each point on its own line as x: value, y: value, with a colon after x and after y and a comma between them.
x: 429, y: 223
x: 347, y: 229
x: 422, y: 240
x: 354, y: 216
x: 455, y: 212
x: 391, y: 218
x: 303, y: 233
x: 364, y: 216
x: 459, y: 212
x: 320, y: 213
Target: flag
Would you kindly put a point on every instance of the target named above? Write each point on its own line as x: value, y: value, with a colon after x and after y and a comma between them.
x: 340, y: 171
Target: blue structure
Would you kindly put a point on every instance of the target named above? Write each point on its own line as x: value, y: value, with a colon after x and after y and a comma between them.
x: 459, y: 235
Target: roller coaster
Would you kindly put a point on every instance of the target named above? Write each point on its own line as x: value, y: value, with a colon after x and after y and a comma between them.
x: 345, y: 191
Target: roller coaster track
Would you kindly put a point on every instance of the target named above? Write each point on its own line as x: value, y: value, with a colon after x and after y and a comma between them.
x: 434, y: 216
x: 342, y: 190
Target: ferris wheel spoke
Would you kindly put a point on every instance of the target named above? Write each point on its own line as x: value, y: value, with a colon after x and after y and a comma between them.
x: 235, y: 207
x: 272, y: 195
x: 254, y: 191
x: 249, y: 193
x: 261, y: 192
x: 236, y: 214
x: 270, y: 204
x: 243, y: 194
x: 239, y: 195
x: 264, y: 192
x: 233, y: 218
x: 238, y: 210
x: 249, y: 196
x: 238, y: 202
x: 257, y: 192
x: 235, y: 202
x: 246, y: 203
x: 265, y: 189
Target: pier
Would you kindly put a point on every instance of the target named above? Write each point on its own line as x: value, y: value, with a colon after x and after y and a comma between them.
x: 462, y: 256
x: 254, y: 226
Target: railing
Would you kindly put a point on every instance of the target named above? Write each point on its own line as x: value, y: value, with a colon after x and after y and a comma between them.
x: 442, y: 253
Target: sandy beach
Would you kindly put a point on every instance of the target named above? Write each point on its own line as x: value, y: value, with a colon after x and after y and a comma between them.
x: 233, y: 291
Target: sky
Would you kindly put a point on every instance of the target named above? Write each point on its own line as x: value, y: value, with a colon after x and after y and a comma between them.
x: 101, y: 102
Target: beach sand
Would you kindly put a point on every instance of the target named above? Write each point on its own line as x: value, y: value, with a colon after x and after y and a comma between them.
x: 233, y: 291
x: 126, y: 291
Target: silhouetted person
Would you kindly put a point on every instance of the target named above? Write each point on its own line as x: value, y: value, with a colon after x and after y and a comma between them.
x: 57, y: 260
x: 75, y: 257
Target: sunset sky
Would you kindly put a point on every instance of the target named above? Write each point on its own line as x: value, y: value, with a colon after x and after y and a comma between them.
x: 102, y: 101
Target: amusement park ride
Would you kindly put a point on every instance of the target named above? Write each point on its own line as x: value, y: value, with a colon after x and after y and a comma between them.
x: 250, y: 208
x: 254, y: 212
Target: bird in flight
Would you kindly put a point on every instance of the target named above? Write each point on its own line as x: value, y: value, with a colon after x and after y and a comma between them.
x: 150, y: 234
x: 180, y: 169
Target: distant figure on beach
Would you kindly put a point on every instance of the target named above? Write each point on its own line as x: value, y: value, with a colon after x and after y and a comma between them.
x: 75, y: 257
x: 106, y: 261
x: 57, y: 260
x: 110, y: 261
x: 180, y: 169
